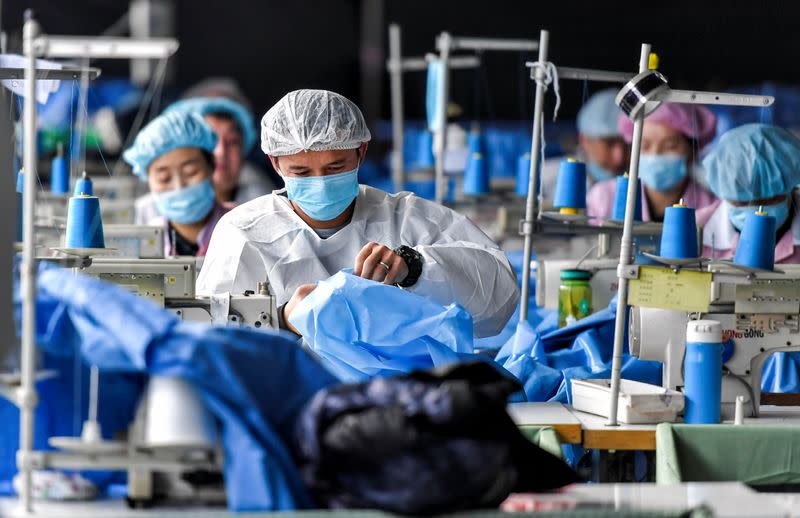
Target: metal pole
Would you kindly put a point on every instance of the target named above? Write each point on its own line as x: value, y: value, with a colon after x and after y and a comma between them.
x: 531, y: 201
x: 396, y: 87
x: 27, y: 397
x: 501, y: 44
x: 626, y: 253
x: 440, y: 139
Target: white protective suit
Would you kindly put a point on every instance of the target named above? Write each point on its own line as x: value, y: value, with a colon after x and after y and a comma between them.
x: 266, y: 240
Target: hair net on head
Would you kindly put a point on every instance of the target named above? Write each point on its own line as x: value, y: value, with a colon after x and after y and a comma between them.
x: 693, y: 121
x: 206, y: 105
x: 598, y: 116
x: 753, y: 162
x: 312, y: 120
x: 226, y: 87
x: 168, y: 131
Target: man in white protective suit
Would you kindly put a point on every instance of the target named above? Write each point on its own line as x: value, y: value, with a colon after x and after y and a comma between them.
x: 323, y: 221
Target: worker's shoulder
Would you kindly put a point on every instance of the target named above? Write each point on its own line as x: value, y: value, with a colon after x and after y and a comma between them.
x: 405, y: 202
x: 247, y: 214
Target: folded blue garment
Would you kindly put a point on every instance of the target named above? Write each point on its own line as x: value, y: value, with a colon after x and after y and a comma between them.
x: 254, y: 382
x: 361, y: 328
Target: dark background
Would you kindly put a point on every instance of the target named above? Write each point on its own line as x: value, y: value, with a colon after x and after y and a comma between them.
x: 272, y: 46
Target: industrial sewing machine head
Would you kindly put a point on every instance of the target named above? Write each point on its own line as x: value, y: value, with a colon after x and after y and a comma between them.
x: 759, y: 313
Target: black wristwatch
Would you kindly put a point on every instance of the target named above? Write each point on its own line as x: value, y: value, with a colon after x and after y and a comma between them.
x: 413, y: 261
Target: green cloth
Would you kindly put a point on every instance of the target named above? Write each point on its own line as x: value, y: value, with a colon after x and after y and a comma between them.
x: 753, y: 454
x: 545, y: 437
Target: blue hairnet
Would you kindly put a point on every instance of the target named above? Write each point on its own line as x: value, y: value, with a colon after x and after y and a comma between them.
x: 597, y: 117
x: 753, y: 162
x: 168, y: 131
x: 312, y: 120
x: 207, y: 105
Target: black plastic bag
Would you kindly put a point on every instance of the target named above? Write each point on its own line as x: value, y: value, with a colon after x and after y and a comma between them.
x: 423, y: 443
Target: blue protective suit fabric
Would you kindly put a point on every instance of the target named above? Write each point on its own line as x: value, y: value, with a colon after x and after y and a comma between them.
x: 361, y: 328
x: 781, y: 373
x: 241, y: 374
x: 546, y: 361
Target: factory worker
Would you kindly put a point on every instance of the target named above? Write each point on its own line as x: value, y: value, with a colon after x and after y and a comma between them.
x: 323, y: 221
x: 235, y: 180
x: 600, y: 143
x: 752, y: 166
x: 173, y: 154
x: 672, y: 137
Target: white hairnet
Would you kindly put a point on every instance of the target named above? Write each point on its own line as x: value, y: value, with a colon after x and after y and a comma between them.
x: 170, y: 130
x: 312, y: 120
x: 753, y: 162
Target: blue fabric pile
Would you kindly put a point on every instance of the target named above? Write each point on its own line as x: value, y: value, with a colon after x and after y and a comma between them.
x: 545, y: 360
x: 241, y: 374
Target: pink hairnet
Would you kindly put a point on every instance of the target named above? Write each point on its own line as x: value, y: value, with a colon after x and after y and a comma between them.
x: 694, y: 121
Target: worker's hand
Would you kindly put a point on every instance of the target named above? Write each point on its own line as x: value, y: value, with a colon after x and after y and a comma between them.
x: 381, y: 264
x: 300, y: 293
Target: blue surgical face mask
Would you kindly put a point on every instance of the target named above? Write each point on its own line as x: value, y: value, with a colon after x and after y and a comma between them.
x: 598, y: 172
x: 662, y: 172
x: 323, y: 197
x: 186, y: 205
x: 738, y: 215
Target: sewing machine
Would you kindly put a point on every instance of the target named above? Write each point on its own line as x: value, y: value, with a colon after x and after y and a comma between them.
x: 172, y: 445
x: 759, y: 313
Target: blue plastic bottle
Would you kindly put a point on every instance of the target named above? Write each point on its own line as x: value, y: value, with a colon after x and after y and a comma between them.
x: 703, y: 372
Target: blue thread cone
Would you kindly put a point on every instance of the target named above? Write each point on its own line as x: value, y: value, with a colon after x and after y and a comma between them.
x: 59, y: 174
x: 84, y: 186
x: 523, y: 174
x: 756, y: 248
x: 679, y: 233
x: 476, y: 176
x: 425, y: 158
x: 20, y: 186
x: 84, y: 224
x: 474, y: 142
x: 621, y: 197
x: 571, y: 185
x: 20, y: 181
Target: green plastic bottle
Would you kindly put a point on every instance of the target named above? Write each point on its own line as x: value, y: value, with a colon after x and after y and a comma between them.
x: 574, y: 296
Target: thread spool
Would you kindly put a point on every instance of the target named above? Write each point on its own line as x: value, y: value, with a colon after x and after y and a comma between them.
x: 570, y: 194
x: 84, y: 223
x: 84, y: 186
x: 756, y: 248
x: 20, y: 188
x: 176, y: 416
x: 523, y: 174
x: 476, y: 176
x: 641, y: 93
x: 59, y: 173
x: 474, y: 142
x: 703, y: 372
x: 20, y: 181
x: 425, y: 158
x: 621, y: 198
x: 679, y: 233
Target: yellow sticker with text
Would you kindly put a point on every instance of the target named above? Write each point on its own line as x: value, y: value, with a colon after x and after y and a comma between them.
x: 665, y: 288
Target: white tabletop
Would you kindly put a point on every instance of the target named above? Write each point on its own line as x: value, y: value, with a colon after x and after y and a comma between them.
x: 725, y: 499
